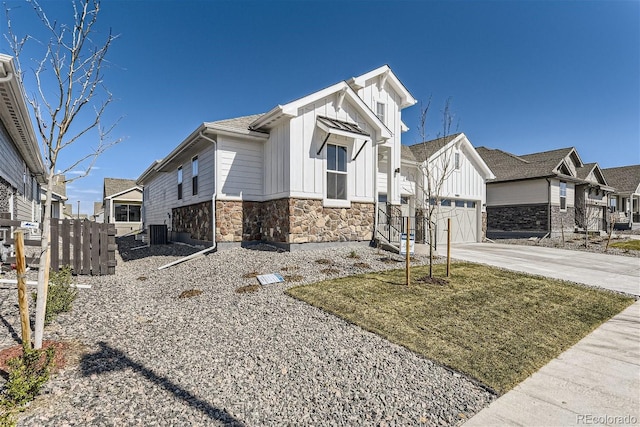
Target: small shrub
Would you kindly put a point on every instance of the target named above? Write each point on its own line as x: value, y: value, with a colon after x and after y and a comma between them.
x: 330, y: 271
x: 324, y: 261
x: 293, y: 278
x: 290, y: 268
x: 248, y: 289
x: 250, y: 275
x: 60, y: 294
x: 353, y: 255
x: 142, y: 278
x: 190, y: 293
x: 27, y: 374
x: 362, y: 265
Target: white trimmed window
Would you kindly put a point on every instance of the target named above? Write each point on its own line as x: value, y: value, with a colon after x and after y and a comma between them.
x: 194, y: 175
x: 456, y: 159
x: 380, y: 110
x: 180, y: 183
x: 563, y: 195
x: 126, y: 213
x: 336, y: 172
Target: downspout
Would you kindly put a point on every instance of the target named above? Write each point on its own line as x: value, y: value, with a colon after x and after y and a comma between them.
x: 549, y: 206
x: 375, y: 190
x: 215, y: 187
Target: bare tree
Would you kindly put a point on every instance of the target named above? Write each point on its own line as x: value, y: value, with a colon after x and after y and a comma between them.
x: 68, y: 101
x: 435, y: 165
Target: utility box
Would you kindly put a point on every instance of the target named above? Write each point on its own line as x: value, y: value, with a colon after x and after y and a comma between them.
x: 158, y: 234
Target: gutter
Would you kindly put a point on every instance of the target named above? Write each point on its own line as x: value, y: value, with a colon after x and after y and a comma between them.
x: 215, y: 187
x: 549, y: 205
x: 213, y: 210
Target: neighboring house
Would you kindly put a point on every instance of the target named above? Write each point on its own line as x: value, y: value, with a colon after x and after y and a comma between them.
x: 304, y: 172
x: 122, y: 202
x: 461, y: 175
x: 98, y: 212
x: 625, y: 200
x: 21, y: 168
x: 551, y: 192
x: 58, y: 197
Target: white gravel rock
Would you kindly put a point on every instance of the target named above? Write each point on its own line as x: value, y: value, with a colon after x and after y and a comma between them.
x: 223, y: 358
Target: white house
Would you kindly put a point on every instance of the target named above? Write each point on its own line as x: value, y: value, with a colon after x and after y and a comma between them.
x: 313, y: 170
x: 122, y: 205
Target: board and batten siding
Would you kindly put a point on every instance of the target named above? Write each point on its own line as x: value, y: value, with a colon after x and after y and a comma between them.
x: 555, y: 193
x: 308, y: 168
x: 160, y: 195
x: 240, y: 166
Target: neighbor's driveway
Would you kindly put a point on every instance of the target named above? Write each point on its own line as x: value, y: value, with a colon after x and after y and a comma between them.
x: 617, y: 273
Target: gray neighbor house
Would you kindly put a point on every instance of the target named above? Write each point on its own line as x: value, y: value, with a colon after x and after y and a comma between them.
x: 546, y: 193
x: 624, y: 202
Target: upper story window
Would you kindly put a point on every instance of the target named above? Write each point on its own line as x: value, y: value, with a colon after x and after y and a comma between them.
x: 456, y: 160
x: 563, y: 195
x: 380, y: 111
x: 180, y: 183
x: 194, y: 175
x: 336, y: 172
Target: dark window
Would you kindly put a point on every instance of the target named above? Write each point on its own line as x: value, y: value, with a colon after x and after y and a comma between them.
x: 126, y: 213
x: 445, y: 202
x: 336, y: 172
x: 194, y: 175
x: 471, y: 204
x: 459, y: 203
x: 180, y: 183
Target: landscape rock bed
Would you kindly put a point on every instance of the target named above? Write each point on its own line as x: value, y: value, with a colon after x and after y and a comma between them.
x: 596, y: 244
x: 227, y: 358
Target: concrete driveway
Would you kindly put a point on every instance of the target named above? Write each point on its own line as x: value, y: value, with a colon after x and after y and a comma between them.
x: 617, y: 273
x: 597, y: 381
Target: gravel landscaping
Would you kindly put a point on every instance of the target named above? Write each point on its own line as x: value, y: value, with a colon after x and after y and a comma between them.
x: 156, y: 354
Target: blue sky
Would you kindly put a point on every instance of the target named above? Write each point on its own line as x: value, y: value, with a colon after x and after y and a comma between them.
x: 523, y: 76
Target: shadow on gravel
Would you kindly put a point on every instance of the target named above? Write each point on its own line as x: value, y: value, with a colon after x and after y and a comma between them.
x: 131, y: 249
x: 110, y: 359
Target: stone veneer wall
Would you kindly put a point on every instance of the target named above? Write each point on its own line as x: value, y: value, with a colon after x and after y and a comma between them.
x: 518, y: 218
x: 484, y: 226
x: 5, y: 195
x: 293, y: 221
x: 562, y: 219
x: 193, y: 219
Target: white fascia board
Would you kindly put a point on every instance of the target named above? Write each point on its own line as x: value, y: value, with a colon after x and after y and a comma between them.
x: 407, y: 99
x: 403, y: 127
x: 148, y: 172
x: 253, y: 135
x: 471, y: 152
x: 113, y: 196
x: 27, y: 145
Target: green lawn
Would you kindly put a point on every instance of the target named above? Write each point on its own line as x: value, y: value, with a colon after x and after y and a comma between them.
x: 493, y: 325
x: 631, y: 244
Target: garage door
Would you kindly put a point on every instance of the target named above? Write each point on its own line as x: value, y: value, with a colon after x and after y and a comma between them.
x: 464, y: 221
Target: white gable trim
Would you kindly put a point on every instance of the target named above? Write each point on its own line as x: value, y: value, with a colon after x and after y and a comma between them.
x: 462, y: 143
x: 114, y: 196
x: 386, y: 76
x: 292, y: 109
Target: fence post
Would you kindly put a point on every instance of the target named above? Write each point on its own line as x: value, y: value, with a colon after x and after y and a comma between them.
x: 54, y: 244
x: 111, y: 260
x: 77, y: 247
x: 86, y: 246
x: 66, y: 244
x: 23, y: 304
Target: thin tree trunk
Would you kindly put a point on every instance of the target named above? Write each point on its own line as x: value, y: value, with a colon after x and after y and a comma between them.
x: 43, y: 272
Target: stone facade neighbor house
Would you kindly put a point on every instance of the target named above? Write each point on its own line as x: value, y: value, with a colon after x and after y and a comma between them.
x: 625, y: 201
x: 304, y: 172
x: 455, y: 164
x: 551, y: 192
x: 122, y: 205
x: 58, y: 197
x: 21, y: 167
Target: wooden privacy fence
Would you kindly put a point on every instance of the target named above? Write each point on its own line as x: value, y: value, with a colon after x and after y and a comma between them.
x: 88, y: 247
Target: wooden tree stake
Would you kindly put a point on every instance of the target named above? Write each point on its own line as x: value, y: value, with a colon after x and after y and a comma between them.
x: 408, y: 256
x: 23, y: 303
x: 448, y: 246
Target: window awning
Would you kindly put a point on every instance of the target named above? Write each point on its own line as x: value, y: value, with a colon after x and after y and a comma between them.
x: 339, y: 127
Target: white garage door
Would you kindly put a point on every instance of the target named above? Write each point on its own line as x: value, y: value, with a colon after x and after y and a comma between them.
x: 464, y: 221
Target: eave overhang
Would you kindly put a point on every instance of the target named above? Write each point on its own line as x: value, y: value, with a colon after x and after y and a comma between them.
x: 386, y: 76
x: 15, y: 116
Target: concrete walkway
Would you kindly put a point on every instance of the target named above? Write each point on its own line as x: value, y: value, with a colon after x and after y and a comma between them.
x: 595, y: 382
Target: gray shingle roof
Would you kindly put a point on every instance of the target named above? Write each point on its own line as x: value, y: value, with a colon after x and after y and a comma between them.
x: 423, y: 150
x: 624, y: 179
x: 239, y: 123
x: 509, y: 167
x: 407, y: 154
x: 117, y: 185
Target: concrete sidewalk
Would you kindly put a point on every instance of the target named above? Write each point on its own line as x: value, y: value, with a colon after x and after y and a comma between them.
x: 595, y: 382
